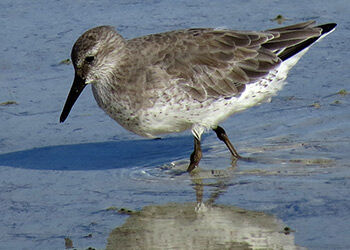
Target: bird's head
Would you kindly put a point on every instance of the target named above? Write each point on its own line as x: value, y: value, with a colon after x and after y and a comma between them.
x: 92, y: 56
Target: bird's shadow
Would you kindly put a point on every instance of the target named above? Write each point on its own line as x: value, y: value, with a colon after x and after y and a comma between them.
x: 99, y: 156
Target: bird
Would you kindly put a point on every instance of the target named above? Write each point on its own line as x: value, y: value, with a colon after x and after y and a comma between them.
x: 187, y: 79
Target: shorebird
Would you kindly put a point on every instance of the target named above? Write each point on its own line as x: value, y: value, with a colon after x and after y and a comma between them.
x: 186, y: 79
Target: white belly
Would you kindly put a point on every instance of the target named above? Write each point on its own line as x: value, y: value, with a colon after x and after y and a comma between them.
x: 177, y: 116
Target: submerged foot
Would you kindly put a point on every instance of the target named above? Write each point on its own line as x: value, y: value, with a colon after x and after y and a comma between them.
x: 195, y: 156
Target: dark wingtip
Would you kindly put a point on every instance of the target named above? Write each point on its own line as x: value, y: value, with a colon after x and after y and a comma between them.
x: 327, y: 27
x: 291, y: 51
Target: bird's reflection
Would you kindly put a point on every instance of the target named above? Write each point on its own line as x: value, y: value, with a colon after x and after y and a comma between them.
x: 201, y: 225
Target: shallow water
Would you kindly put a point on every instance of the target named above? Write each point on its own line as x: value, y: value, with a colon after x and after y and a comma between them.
x: 71, y: 180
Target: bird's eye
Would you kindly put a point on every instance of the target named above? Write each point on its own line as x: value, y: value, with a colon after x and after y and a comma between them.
x: 89, y: 59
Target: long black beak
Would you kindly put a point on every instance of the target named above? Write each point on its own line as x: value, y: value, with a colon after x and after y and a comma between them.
x: 75, y: 91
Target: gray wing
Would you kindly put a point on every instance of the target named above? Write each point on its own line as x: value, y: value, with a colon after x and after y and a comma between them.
x: 210, y: 63
x: 219, y: 63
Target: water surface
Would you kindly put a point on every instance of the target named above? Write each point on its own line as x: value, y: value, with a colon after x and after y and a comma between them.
x: 78, y: 180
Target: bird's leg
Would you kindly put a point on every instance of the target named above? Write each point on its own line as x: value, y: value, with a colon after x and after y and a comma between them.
x: 221, y: 134
x: 196, y: 155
